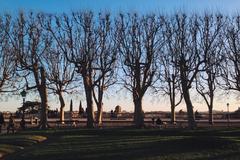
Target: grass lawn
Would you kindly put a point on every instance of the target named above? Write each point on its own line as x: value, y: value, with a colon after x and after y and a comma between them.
x: 11, y: 143
x: 129, y: 144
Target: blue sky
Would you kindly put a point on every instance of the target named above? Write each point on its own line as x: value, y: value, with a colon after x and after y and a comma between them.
x: 228, y: 7
x: 59, y: 6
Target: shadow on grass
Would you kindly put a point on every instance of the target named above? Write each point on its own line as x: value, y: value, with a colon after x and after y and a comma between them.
x: 126, y: 147
x: 131, y: 144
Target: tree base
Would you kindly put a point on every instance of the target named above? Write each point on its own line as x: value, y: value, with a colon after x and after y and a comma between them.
x: 43, y: 126
x: 140, y: 126
x: 211, y: 123
x: 192, y: 126
x: 90, y: 126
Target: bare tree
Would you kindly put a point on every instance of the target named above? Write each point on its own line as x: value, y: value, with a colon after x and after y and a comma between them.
x: 211, y: 45
x: 60, y: 75
x: 30, y: 42
x: 105, y: 63
x: 184, y: 46
x: 7, y: 61
x: 77, y: 40
x: 230, y: 68
x: 169, y: 77
x: 88, y: 46
x: 139, y: 42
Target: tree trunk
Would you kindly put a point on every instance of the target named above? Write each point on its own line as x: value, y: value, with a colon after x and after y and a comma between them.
x: 43, y: 119
x: 191, y: 118
x: 62, y: 105
x: 89, y: 96
x: 185, y: 89
x: 172, y: 101
x: 210, y: 107
x: 44, y: 101
x: 173, y: 116
x: 210, y: 116
x: 99, y: 114
x: 138, y: 113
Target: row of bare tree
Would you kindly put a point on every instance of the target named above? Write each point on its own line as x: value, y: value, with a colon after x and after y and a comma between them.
x: 171, y: 54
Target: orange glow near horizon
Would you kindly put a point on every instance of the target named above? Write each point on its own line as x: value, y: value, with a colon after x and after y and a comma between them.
x: 150, y: 103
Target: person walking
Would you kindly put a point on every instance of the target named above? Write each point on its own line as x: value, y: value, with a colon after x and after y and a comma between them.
x: 23, y: 123
x: 11, y: 124
x: 153, y: 121
x: 2, y: 122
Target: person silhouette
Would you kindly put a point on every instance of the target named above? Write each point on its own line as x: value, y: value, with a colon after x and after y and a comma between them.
x: 23, y: 123
x: 1, y: 121
x: 153, y: 120
x: 11, y: 124
x: 159, y: 121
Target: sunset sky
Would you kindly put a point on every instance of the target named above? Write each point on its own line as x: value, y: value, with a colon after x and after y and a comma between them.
x: 123, y: 98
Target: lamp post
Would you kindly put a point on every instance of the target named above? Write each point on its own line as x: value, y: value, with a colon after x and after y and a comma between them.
x: 23, y: 94
x: 228, y: 115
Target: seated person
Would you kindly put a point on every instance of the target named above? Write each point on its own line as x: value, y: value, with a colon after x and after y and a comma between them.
x: 159, y: 121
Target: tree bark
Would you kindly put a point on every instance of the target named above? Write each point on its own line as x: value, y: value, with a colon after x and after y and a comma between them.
x: 210, y: 107
x: 89, y: 95
x: 44, y: 101
x: 138, y: 113
x: 99, y: 114
x: 62, y: 105
x: 173, y: 105
x: 191, y: 118
x: 210, y: 116
x: 186, y: 85
x: 173, y: 116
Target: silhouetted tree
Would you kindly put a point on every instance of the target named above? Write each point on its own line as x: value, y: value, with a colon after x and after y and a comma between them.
x: 211, y: 43
x: 71, y: 106
x: 60, y: 74
x: 76, y: 36
x: 7, y: 61
x: 138, y: 44
x: 87, y: 45
x: 230, y: 68
x: 80, y: 110
x: 184, y: 43
x: 30, y: 42
x: 105, y: 63
x: 169, y: 77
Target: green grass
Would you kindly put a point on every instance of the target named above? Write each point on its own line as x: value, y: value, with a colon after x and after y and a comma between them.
x: 130, y: 144
x: 12, y: 143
